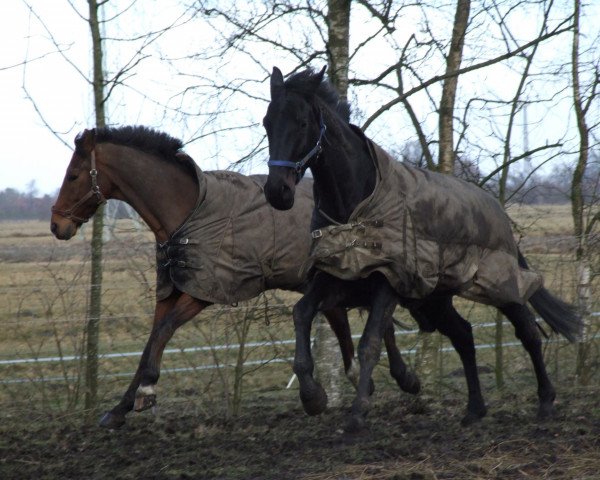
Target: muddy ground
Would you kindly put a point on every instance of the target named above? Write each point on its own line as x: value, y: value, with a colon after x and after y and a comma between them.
x: 408, y: 438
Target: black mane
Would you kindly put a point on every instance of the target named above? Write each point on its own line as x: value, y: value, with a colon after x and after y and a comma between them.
x: 303, y: 83
x: 141, y: 137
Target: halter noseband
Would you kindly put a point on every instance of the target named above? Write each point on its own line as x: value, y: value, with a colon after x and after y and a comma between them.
x: 300, y: 165
x: 94, y: 191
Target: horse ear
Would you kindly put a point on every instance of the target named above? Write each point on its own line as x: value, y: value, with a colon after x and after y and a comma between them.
x: 319, y: 77
x: 86, y: 140
x: 276, y: 83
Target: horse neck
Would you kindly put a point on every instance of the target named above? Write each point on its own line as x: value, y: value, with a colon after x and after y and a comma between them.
x: 344, y: 174
x: 162, y: 193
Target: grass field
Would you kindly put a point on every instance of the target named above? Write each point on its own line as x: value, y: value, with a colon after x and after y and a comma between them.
x: 44, y: 284
x: 44, y: 289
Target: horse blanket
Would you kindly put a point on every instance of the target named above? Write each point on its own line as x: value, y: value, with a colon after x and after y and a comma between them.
x: 234, y: 245
x: 427, y: 232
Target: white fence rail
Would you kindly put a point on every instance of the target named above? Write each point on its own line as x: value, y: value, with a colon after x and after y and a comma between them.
x: 210, y: 348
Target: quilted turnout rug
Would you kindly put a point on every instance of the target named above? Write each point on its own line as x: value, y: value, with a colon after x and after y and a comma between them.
x: 234, y: 245
x: 427, y: 232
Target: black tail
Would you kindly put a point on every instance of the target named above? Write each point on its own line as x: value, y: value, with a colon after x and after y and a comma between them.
x: 561, y: 316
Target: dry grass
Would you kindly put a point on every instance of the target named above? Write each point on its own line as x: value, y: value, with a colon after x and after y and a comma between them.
x: 44, y: 285
x: 44, y: 291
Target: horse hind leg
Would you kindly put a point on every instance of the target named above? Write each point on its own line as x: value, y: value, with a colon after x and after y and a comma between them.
x: 527, y: 332
x: 406, y: 380
x: 338, y: 321
x: 441, y: 313
x: 141, y: 393
x: 185, y: 309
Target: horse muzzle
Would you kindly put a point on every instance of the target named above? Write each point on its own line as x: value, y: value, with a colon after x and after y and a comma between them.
x: 63, y: 228
x: 280, y: 195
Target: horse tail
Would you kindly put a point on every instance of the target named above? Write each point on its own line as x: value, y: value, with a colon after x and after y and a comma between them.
x: 562, y: 317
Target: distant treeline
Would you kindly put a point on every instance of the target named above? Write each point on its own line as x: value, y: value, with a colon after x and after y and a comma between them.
x: 15, y: 205
x: 540, y: 189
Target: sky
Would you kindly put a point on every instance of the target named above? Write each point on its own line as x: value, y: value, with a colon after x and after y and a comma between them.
x: 32, y: 157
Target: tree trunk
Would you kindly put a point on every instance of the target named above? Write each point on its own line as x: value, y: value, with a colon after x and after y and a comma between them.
x: 429, y: 356
x: 327, y: 354
x: 577, y: 201
x: 95, y: 306
x: 446, y: 110
x: 338, y: 32
x: 328, y: 361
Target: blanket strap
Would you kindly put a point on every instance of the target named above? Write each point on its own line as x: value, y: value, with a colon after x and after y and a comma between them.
x: 333, y: 229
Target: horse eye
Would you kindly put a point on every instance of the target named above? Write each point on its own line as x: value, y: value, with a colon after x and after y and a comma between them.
x: 71, y: 177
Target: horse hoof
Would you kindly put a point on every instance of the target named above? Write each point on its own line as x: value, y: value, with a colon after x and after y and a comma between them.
x: 356, y: 424
x: 410, y: 384
x: 473, y: 417
x: 112, y: 421
x: 144, y: 403
x: 145, y: 398
x: 314, y: 401
x: 371, y: 387
x: 546, y: 411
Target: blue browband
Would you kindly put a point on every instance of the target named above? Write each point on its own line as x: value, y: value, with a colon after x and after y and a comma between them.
x: 299, y: 165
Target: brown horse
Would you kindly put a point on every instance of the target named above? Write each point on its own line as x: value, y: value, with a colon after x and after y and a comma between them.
x: 218, y: 241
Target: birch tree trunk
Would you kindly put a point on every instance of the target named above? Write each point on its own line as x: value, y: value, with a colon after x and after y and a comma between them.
x: 328, y: 369
x: 577, y: 201
x: 338, y: 45
x: 446, y: 109
x: 428, y: 359
x: 95, y: 305
x: 328, y: 361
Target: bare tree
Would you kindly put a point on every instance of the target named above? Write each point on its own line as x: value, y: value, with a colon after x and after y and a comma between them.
x: 578, y: 206
x: 446, y: 109
x: 95, y: 306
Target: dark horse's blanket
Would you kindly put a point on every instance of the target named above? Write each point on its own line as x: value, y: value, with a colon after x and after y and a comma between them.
x: 234, y: 245
x: 427, y: 232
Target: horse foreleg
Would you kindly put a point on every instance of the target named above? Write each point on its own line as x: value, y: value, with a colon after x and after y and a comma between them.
x: 526, y: 330
x: 115, y: 418
x: 369, y: 351
x: 314, y: 398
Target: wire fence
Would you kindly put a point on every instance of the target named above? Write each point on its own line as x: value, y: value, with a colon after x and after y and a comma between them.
x: 44, y: 286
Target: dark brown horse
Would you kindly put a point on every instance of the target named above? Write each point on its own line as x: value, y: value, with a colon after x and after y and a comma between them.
x: 385, y: 232
x: 218, y: 241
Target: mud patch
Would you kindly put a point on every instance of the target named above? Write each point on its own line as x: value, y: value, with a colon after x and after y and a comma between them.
x: 274, y: 439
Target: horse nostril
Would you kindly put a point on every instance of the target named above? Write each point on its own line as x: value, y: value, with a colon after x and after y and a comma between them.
x: 285, y: 189
x: 53, y: 227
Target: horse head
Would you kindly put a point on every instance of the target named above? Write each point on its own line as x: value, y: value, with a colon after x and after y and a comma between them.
x: 295, y: 129
x: 81, y: 192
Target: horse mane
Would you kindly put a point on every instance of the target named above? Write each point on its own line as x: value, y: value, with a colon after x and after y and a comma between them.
x: 303, y: 83
x: 142, y: 138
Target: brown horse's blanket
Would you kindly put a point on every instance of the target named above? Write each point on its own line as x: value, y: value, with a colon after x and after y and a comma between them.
x: 427, y: 232
x: 234, y: 245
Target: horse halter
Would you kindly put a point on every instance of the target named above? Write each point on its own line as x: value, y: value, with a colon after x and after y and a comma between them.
x: 300, y: 165
x: 94, y: 191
